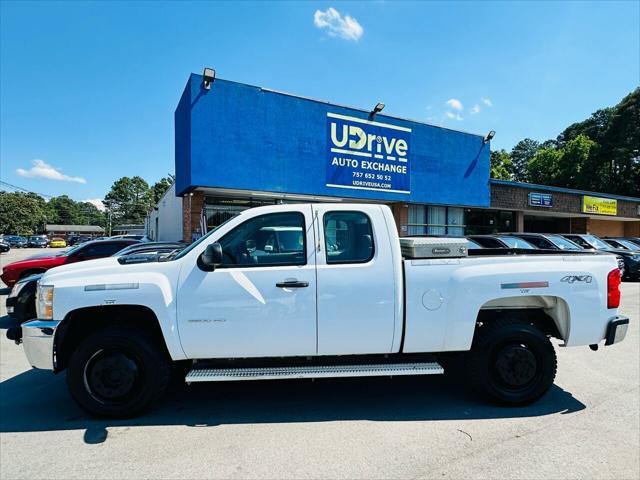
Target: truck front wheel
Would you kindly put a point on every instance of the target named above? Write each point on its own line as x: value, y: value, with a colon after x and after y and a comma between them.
x: 117, y: 372
x: 511, y: 361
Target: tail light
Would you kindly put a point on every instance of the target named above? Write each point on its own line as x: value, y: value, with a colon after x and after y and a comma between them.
x: 613, y: 288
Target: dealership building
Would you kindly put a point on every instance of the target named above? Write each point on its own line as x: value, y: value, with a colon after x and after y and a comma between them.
x: 238, y: 146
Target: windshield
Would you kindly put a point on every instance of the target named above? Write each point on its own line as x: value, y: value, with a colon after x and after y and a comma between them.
x: 73, y: 249
x: 182, y: 253
x: 623, y: 243
x: 515, y: 242
x: 596, y: 242
x: 471, y: 245
x: 564, y: 244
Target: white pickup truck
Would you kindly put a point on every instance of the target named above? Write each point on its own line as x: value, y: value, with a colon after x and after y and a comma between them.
x: 315, y: 290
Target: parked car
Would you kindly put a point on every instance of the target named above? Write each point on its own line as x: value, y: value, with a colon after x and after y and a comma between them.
x: 4, y: 246
x: 360, y: 309
x: 631, y: 258
x: 38, y: 241
x: 21, y: 302
x: 624, y: 243
x: 57, y: 242
x: 87, y: 251
x: 142, y: 238
x: 548, y: 241
x: 149, y: 252
x: 16, y: 241
x: 501, y: 241
x: 75, y: 239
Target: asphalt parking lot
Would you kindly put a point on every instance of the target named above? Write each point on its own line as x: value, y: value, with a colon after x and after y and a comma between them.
x: 587, y: 426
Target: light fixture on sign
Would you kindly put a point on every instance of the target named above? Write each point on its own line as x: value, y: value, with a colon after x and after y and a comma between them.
x: 208, y: 76
x: 377, y: 109
x: 489, y: 136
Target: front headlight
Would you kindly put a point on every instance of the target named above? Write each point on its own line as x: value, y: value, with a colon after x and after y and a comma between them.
x: 16, y: 289
x: 44, y: 302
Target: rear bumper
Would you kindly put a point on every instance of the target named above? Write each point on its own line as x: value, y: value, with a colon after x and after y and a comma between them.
x: 38, y: 337
x: 616, y: 330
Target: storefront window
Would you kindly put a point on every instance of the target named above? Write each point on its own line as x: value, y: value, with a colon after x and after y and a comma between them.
x: 481, y: 222
x: 435, y: 220
x: 219, y: 209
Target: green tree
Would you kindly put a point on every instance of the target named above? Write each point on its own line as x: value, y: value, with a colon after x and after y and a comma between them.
x: 501, y: 165
x: 619, y: 155
x: 21, y: 213
x: 90, y: 215
x: 593, y: 127
x: 129, y: 200
x: 160, y: 187
x: 521, y: 155
x: 544, y: 166
x: 573, y: 166
x: 64, y: 211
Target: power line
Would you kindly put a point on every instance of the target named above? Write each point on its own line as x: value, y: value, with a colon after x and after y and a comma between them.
x: 22, y: 189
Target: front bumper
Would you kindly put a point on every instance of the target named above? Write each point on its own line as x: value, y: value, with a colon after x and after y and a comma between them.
x: 616, y: 330
x: 11, y: 305
x: 38, y: 338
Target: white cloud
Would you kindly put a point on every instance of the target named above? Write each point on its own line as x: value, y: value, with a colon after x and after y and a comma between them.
x: 337, y: 25
x: 96, y: 202
x: 452, y: 115
x: 475, y: 109
x: 487, y: 102
x: 42, y: 169
x: 455, y: 104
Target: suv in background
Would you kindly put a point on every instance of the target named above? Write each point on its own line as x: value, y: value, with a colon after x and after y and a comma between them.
x: 75, y: 239
x: 16, y: 241
x: 38, y: 241
x: 591, y: 242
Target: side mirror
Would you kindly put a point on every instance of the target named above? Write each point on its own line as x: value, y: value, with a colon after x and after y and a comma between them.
x: 211, y: 257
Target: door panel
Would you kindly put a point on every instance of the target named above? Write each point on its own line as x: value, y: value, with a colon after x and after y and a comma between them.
x: 356, y: 296
x: 238, y: 310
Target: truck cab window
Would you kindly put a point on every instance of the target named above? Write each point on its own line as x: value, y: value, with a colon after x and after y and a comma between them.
x: 272, y: 239
x: 348, y: 237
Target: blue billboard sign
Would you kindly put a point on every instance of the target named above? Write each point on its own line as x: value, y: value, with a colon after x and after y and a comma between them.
x: 367, y: 155
x: 241, y: 139
x: 541, y: 200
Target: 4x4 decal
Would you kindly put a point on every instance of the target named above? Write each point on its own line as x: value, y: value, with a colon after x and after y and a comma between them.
x: 577, y: 278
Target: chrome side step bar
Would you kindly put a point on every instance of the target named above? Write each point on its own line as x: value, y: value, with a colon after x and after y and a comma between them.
x: 331, y: 371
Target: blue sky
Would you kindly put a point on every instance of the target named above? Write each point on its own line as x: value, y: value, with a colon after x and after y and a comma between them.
x: 88, y: 90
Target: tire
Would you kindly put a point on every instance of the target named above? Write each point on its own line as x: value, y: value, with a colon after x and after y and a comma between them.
x: 511, y: 361
x: 117, y: 372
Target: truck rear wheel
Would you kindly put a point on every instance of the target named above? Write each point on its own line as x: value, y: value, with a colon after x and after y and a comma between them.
x: 511, y: 361
x: 117, y: 372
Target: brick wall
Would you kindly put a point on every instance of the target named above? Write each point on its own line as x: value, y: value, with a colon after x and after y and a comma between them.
x: 401, y: 216
x: 511, y: 197
x: 191, y: 211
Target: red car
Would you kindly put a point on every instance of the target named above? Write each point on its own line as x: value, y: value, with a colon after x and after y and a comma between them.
x: 85, y: 251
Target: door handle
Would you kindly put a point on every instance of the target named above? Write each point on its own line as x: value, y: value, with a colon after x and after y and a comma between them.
x: 292, y: 284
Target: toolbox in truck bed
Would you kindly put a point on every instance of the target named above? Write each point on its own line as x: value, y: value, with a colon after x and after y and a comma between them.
x: 433, y: 247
